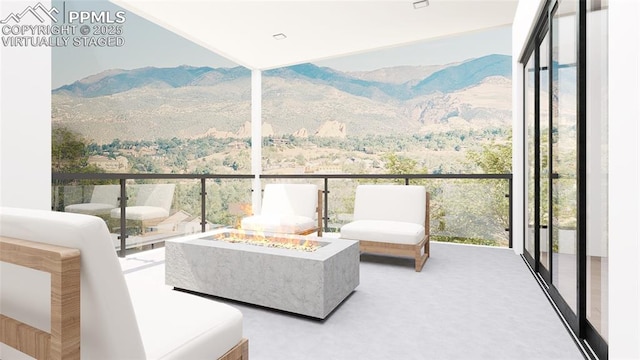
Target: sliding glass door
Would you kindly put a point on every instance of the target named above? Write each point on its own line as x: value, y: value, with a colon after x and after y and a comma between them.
x: 565, y: 164
x: 551, y: 133
x: 537, y: 166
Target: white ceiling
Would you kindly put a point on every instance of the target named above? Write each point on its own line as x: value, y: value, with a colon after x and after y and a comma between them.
x: 242, y: 31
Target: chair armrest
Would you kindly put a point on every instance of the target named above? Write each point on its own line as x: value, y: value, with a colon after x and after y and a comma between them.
x: 64, y: 266
x: 427, y: 217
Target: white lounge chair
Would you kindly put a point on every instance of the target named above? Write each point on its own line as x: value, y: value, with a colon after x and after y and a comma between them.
x: 288, y: 209
x: 392, y: 220
x: 85, y: 309
x: 104, y: 198
x: 152, y: 205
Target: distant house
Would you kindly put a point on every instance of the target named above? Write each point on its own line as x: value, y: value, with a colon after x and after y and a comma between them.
x: 324, y: 169
x: 119, y: 164
x: 237, y: 145
x: 182, y: 223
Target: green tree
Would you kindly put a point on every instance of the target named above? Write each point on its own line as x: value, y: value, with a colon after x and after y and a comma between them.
x: 301, y: 160
x: 401, y: 165
x: 67, y: 150
x: 495, y: 158
x: 69, y: 154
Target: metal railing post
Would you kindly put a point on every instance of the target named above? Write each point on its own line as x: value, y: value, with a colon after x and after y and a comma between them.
x: 326, y: 204
x: 510, y: 212
x: 60, y: 206
x: 203, y: 203
x: 123, y: 220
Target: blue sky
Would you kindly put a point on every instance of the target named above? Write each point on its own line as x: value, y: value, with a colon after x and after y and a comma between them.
x: 147, y: 44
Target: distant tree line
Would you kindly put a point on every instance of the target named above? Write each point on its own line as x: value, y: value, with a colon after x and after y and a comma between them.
x: 457, y: 140
x: 470, y: 211
x: 70, y: 151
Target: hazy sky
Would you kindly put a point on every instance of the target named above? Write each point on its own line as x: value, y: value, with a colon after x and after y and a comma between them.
x: 431, y: 52
x: 147, y: 44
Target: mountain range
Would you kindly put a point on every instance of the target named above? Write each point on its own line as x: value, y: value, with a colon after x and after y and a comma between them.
x: 186, y: 101
x: 446, y: 80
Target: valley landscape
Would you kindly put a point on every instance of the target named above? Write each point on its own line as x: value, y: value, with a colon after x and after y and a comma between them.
x: 312, y: 116
x: 316, y: 120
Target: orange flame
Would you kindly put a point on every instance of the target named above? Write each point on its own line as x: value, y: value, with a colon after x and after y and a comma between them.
x: 286, y: 241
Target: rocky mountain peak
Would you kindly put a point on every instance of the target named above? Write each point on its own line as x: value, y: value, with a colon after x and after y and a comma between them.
x: 332, y: 128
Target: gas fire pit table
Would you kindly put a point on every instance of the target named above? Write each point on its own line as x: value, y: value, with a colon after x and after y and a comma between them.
x: 300, y: 274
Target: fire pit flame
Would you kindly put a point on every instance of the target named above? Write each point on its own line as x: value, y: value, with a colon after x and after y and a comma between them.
x: 259, y: 238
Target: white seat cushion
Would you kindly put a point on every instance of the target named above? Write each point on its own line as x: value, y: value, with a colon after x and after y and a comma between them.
x: 89, y: 208
x: 396, y: 232
x: 141, y: 212
x: 103, y: 199
x: 179, y: 325
x: 287, y: 224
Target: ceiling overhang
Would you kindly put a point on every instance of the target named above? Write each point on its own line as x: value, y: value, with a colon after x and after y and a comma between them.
x: 243, y: 31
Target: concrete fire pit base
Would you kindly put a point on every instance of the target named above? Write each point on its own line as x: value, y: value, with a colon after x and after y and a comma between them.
x: 301, y: 282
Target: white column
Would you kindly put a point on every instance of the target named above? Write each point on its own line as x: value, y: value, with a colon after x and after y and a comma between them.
x: 517, y: 159
x: 624, y: 197
x: 256, y: 138
x: 25, y: 119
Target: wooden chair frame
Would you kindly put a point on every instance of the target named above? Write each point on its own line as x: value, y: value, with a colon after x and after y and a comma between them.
x: 410, y: 250
x: 238, y: 352
x: 320, y: 218
x: 64, y: 266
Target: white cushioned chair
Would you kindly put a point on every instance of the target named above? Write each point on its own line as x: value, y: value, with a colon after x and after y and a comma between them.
x: 288, y: 209
x: 102, y: 318
x: 391, y: 219
x: 104, y: 198
x: 152, y: 205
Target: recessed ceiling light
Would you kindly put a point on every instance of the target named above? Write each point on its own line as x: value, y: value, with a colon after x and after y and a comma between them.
x: 280, y: 36
x: 420, y: 4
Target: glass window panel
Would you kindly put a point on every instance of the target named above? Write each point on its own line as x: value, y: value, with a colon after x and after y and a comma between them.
x: 529, y: 108
x: 564, y: 122
x: 543, y: 156
x: 597, y: 168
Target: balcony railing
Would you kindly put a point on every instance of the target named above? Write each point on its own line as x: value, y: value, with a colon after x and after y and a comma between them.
x: 469, y: 208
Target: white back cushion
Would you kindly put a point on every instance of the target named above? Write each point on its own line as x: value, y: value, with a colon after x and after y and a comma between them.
x: 158, y: 195
x: 391, y: 202
x: 109, y: 329
x: 106, y: 194
x: 290, y: 199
